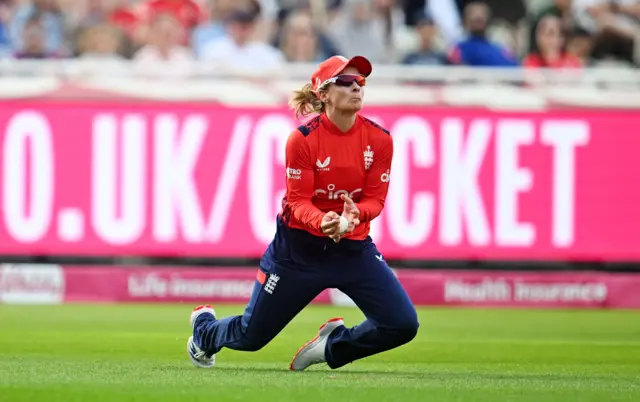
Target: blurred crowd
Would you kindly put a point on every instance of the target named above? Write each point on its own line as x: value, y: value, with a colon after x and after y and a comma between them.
x: 262, y: 34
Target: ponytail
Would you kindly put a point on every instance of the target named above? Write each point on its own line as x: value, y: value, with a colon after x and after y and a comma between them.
x: 304, y: 101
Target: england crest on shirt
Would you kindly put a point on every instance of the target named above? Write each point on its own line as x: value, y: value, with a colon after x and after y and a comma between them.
x: 368, y: 157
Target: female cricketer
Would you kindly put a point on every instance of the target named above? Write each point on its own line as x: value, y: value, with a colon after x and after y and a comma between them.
x: 338, y: 168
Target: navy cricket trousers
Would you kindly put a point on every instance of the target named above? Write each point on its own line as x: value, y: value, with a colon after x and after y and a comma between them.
x: 293, y: 271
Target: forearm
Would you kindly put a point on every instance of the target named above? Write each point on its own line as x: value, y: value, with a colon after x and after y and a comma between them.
x: 369, y: 209
x: 307, y: 214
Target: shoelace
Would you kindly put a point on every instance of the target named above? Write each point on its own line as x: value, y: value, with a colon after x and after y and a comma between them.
x: 199, y: 353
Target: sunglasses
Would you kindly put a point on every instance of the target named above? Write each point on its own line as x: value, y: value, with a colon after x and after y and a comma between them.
x: 346, y: 80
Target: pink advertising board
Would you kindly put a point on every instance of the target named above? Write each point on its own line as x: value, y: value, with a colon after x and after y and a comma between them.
x: 52, y: 284
x: 194, y: 179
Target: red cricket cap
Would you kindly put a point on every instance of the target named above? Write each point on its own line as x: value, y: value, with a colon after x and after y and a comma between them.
x: 335, y: 65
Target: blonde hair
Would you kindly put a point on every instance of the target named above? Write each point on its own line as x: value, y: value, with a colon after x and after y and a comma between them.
x: 304, y: 102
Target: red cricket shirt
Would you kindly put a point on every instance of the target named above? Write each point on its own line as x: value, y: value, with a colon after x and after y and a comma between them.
x: 322, y: 162
x: 564, y: 61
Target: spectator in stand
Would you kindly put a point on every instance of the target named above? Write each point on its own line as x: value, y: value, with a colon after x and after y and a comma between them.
x: 427, y: 54
x: 101, y: 43
x: 238, y: 50
x: 614, y: 25
x: 559, y: 8
x: 214, y: 29
x: 33, y: 40
x: 5, y: 42
x: 580, y: 44
x: 318, y: 17
x: 506, y: 28
x: 511, y: 12
x: 549, y: 50
x: 164, y: 55
x: 117, y: 13
x: 300, y: 42
x: 477, y: 50
x: 187, y: 12
x: 51, y: 20
x: 100, y: 50
x: 445, y: 14
x: 363, y: 28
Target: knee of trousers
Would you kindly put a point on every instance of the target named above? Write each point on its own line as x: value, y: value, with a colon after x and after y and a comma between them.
x: 401, y: 332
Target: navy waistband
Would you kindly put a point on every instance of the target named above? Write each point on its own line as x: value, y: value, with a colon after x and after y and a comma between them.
x: 299, y: 238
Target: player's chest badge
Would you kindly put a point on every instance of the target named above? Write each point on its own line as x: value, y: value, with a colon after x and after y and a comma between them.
x: 368, y: 157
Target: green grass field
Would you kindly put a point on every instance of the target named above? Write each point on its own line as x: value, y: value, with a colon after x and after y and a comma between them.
x: 137, y: 353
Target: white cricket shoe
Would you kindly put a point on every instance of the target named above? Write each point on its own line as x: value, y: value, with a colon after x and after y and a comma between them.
x: 199, y: 357
x: 312, y: 352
